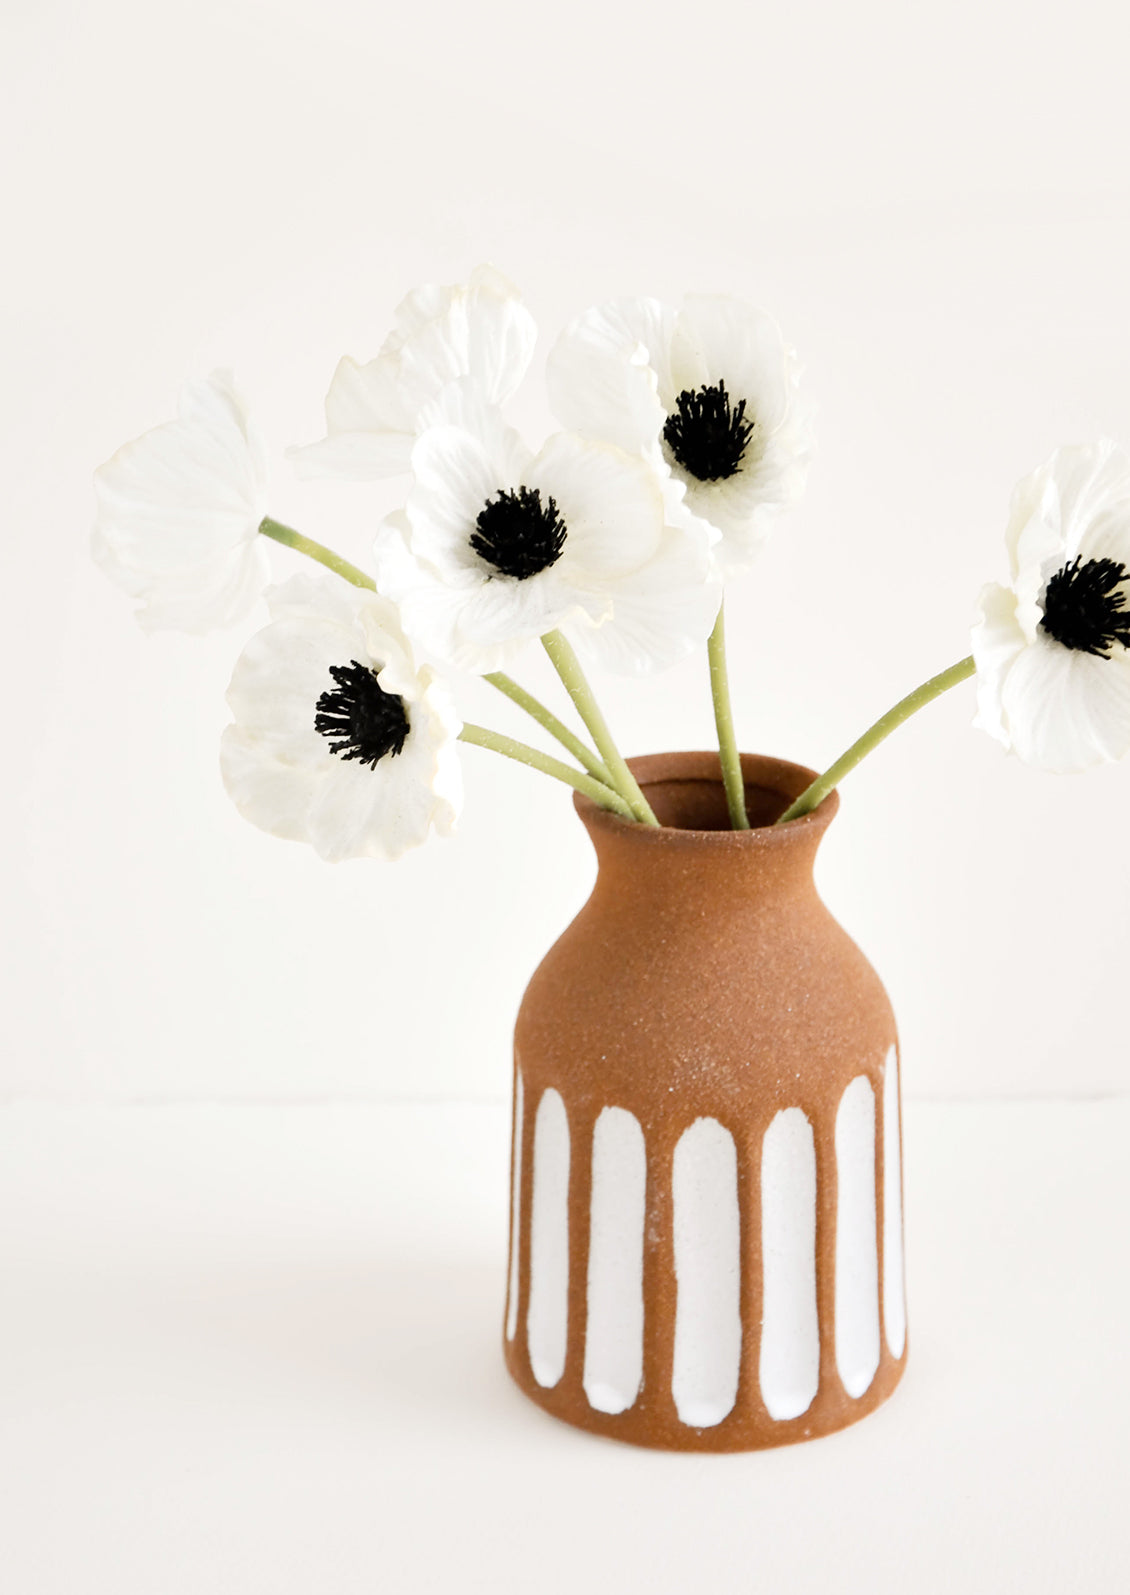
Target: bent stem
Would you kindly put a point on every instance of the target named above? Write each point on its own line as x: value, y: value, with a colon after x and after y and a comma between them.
x: 325, y: 556
x: 556, y: 728
x: 918, y: 699
x: 568, y: 667
x: 480, y: 737
x: 732, y: 777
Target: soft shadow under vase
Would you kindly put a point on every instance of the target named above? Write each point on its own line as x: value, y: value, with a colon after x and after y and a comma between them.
x: 706, y: 1213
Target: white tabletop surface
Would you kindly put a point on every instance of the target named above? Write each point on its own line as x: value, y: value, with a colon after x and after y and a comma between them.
x: 251, y: 1350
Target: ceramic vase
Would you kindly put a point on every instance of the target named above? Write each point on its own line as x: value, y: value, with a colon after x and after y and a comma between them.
x: 706, y: 1207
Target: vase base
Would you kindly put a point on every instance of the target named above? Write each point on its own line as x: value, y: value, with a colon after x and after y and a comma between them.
x: 656, y: 1425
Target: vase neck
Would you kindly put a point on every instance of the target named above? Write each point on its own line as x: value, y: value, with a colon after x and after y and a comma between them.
x: 693, y: 858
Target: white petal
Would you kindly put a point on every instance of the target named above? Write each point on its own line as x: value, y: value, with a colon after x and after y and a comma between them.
x: 1066, y: 710
x: 354, y: 456
x: 660, y: 613
x: 474, y: 621
x: 456, y: 475
x: 179, y: 512
x: 433, y: 299
x: 501, y: 335
x: 384, y: 812
x: 738, y: 510
x: 316, y: 598
x: 464, y: 404
x: 718, y: 338
x: 415, y: 311
x: 479, y: 335
x: 216, y: 405
x: 285, y: 776
x: 1096, y: 507
x: 608, y: 374
x: 611, y: 503
x: 505, y: 610
x: 479, y: 330
x: 279, y: 677
x: 200, y: 601
x: 1108, y: 703
x: 275, y: 797
x: 997, y: 640
x: 354, y: 814
x: 370, y: 428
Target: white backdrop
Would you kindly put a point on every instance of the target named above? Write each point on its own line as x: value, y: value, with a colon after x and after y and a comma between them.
x: 934, y: 205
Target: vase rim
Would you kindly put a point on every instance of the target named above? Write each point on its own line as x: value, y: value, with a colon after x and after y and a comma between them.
x: 778, y: 779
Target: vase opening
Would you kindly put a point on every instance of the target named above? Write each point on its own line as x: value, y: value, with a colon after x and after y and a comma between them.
x: 701, y: 805
x: 686, y: 793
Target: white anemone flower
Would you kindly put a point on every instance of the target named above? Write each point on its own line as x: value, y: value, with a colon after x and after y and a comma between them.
x: 478, y: 329
x: 498, y: 546
x: 709, y: 393
x: 179, y: 511
x: 1052, y: 648
x: 340, y: 739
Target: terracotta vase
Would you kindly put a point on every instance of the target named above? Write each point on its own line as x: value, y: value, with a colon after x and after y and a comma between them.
x: 706, y: 1216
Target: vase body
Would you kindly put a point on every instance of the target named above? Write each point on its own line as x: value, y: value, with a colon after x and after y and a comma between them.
x: 706, y: 1206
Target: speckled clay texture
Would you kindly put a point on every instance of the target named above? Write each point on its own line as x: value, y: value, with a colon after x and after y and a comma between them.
x: 704, y: 980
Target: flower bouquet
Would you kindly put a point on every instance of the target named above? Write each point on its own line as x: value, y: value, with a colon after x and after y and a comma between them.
x: 706, y: 1215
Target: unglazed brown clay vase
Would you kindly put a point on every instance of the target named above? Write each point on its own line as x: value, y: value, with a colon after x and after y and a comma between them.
x: 706, y: 1219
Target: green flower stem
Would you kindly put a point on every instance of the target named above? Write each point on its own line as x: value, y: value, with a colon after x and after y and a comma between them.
x: 324, y: 556
x: 556, y: 728
x: 918, y: 699
x: 568, y: 667
x: 480, y: 737
x: 732, y: 778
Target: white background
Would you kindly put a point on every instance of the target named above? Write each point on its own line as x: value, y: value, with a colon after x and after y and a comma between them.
x: 932, y: 201
x: 248, y: 1332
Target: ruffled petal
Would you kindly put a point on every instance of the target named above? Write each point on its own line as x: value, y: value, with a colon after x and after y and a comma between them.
x: 997, y: 640
x: 479, y: 330
x: 178, y: 513
x: 609, y: 373
x: 480, y: 335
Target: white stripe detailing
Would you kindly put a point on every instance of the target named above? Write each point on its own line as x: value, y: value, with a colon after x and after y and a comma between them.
x: 790, y: 1330
x: 857, y: 1258
x: 515, y: 1211
x: 708, y: 1325
x: 547, y: 1317
x: 894, y: 1289
x: 614, y: 1330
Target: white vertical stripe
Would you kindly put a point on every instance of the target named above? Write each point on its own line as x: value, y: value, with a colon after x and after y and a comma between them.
x: 547, y: 1317
x: 708, y: 1325
x: 857, y: 1257
x: 515, y: 1210
x: 614, y: 1327
x: 790, y: 1330
x: 894, y: 1290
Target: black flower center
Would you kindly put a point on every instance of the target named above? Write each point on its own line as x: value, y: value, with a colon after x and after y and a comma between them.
x: 1085, y: 606
x: 518, y: 534
x: 366, y: 721
x: 706, y: 433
